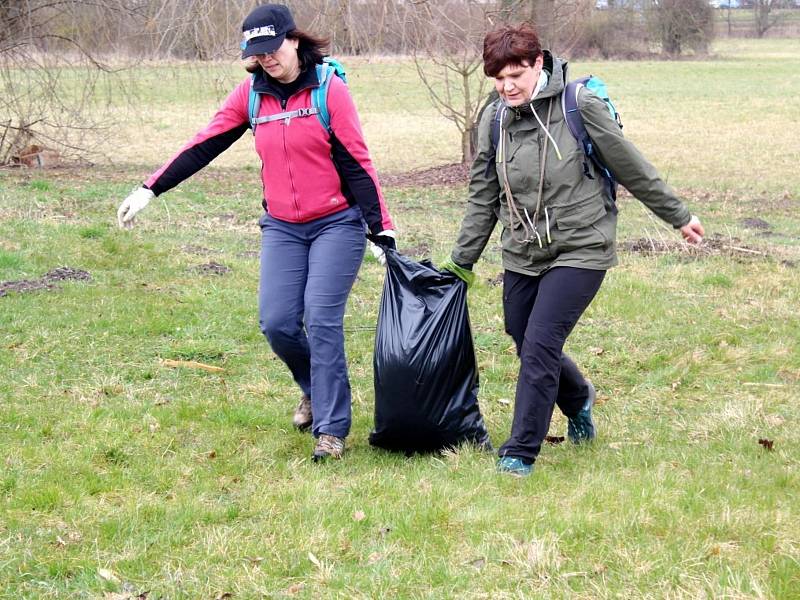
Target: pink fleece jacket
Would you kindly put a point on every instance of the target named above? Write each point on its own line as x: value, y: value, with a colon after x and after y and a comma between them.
x: 306, y: 172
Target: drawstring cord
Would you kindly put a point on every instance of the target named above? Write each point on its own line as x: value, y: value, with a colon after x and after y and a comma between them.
x: 547, y: 224
x: 542, y: 163
x: 513, y: 211
x: 546, y: 130
x: 529, y: 229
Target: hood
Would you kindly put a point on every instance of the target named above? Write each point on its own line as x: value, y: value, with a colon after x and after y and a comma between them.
x: 557, y: 69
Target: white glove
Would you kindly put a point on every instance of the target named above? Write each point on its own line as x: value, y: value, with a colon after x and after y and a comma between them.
x: 136, y: 201
x: 376, y: 250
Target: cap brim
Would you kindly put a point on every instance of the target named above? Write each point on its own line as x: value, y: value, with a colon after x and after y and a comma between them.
x: 263, y: 45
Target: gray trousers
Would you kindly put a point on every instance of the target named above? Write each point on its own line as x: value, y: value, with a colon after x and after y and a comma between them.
x: 307, y: 272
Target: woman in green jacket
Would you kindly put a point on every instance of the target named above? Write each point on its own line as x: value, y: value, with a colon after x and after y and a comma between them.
x: 559, y: 227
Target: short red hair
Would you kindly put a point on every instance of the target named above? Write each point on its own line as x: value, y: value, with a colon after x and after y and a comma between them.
x: 510, y: 45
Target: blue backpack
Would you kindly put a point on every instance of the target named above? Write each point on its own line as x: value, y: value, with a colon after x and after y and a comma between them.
x: 569, y: 106
x: 319, y: 98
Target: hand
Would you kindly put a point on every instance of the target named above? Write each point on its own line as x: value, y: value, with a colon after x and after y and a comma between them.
x: 463, y: 272
x: 693, y: 231
x: 385, y: 238
x: 136, y: 201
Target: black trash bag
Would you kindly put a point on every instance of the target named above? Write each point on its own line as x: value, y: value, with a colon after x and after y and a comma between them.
x: 426, y: 377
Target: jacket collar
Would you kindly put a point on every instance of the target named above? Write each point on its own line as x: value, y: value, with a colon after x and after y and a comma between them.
x: 557, y: 68
x: 264, y: 84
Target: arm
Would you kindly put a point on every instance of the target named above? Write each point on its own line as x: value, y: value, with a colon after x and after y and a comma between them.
x: 627, y: 163
x: 351, y: 157
x: 227, y: 126
x: 483, y: 200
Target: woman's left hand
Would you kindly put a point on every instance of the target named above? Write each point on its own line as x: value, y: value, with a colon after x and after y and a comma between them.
x: 693, y: 231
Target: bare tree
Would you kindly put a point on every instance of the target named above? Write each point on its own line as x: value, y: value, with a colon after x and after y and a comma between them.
x: 560, y: 23
x: 448, y: 55
x: 193, y: 29
x: 765, y: 15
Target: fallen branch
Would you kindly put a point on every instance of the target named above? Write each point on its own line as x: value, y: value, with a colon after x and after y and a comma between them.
x: 740, y: 249
x: 191, y: 364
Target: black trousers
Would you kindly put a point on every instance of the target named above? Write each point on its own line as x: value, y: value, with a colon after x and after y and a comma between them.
x: 540, y: 312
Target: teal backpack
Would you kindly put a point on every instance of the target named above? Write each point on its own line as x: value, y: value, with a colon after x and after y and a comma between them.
x: 319, y: 98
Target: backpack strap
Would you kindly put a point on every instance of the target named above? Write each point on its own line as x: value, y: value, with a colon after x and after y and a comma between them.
x: 286, y: 116
x: 319, y: 95
x: 574, y: 119
x: 497, y: 121
x: 253, y: 104
x: 495, y: 130
x: 319, y: 98
x: 569, y: 106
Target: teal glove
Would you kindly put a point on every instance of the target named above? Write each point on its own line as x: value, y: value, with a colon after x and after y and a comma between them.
x: 466, y: 275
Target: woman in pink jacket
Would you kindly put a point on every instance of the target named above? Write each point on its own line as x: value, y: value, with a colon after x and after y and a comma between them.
x: 321, y: 196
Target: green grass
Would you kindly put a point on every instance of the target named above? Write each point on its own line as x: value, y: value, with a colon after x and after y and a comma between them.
x: 122, y: 475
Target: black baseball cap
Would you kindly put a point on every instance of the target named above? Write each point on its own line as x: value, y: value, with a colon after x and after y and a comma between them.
x: 264, y: 29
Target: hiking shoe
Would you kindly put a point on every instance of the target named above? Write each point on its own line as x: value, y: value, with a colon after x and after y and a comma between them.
x: 328, y: 446
x: 302, y: 414
x: 514, y: 466
x: 580, y: 428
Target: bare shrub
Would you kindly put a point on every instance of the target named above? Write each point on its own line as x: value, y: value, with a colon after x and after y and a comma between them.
x: 615, y: 33
x: 50, y: 79
x: 682, y: 25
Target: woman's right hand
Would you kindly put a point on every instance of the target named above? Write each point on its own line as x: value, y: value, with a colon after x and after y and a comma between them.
x: 135, y: 202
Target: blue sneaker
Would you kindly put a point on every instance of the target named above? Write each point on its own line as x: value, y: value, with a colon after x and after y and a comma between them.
x: 514, y: 466
x: 580, y: 428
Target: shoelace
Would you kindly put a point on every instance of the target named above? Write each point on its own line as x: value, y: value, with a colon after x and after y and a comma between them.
x: 330, y: 444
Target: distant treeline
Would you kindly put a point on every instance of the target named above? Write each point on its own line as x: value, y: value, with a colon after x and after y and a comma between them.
x: 209, y: 29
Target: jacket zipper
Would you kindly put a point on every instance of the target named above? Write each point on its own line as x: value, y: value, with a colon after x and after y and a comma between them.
x: 284, y: 101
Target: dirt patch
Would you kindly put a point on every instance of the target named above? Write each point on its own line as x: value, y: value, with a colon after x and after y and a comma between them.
x: 67, y: 274
x: 453, y: 174
x: 756, y: 223
x: 716, y: 245
x: 211, y: 268
x: 422, y: 250
x: 47, y: 282
x: 198, y: 250
x: 24, y: 285
x: 496, y: 280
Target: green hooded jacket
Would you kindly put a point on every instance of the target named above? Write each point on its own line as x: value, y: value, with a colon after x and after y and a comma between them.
x: 575, y: 224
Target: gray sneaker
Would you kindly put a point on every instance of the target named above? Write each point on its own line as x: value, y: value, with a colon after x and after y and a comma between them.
x: 328, y: 446
x: 302, y: 414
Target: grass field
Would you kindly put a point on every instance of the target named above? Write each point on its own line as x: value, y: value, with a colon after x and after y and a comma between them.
x: 122, y: 477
